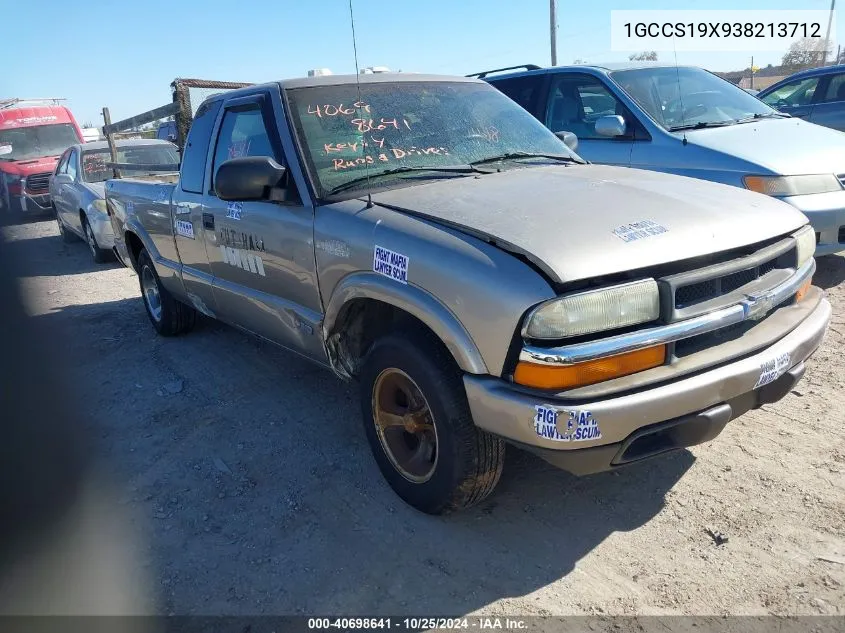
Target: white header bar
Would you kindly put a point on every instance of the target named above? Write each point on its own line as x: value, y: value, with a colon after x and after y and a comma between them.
x: 750, y: 31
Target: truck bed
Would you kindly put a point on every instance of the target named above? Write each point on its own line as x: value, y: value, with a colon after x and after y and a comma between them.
x: 145, y: 205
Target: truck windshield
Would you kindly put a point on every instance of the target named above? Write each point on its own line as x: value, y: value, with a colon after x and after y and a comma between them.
x: 36, y: 141
x: 94, y: 167
x: 686, y: 97
x: 413, y: 125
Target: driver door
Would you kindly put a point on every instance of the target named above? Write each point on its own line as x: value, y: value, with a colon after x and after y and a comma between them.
x: 262, y: 252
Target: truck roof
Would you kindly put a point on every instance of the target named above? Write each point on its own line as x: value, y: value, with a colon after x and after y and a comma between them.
x: 335, y: 80
x: 127, y: 142
x: 28, y: 116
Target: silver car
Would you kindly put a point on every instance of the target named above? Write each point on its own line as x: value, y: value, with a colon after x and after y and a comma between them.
x: 687, y: 121
x: 76, y: 187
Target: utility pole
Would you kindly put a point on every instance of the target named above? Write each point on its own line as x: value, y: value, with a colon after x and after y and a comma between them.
x: 752, y: 72
x: 553, y: 29
x: 827, y: 35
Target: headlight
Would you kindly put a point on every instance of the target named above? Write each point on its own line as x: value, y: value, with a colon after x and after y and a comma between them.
x: 595, y: 311
x: 99, y: 205
x: 806, y: 244
x: 792, y: 185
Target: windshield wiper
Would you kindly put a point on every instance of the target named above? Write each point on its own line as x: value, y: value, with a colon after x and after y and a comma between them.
x: 764, y: 115
x: 700, y: 125
x: 451, y: 169
x: 517, y: 155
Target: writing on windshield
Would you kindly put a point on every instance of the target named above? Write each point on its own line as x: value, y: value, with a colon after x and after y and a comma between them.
x: 417, y: 125
x: 369, y: 134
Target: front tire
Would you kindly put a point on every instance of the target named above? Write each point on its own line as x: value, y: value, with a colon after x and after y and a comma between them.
x: 67, y: 236
x: 168, y: 316
x: 97, y: 254
x: 419, y: 426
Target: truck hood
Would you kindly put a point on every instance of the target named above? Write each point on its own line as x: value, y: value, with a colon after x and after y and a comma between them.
x: 29, y: 166
x: 571, y: 220
x: 786, y: 147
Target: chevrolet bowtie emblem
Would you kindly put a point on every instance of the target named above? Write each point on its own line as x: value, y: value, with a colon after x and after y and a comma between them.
x: 756, y: 307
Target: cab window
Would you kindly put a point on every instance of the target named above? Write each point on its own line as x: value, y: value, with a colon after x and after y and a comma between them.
x: 835, y: 89
x: 795, y: 93
x: 243, y: 132
x: 523, y: 90
x: 195, y: 153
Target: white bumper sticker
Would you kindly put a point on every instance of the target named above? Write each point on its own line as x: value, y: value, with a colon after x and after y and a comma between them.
x: 565, y: 425
x: 185, y: 228
x: 772, y: 369
x: 390, y: 264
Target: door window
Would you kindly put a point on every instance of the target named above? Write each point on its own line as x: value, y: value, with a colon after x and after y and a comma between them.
x: 242, y: 133
x: 71, y: 165
x: 576, y: 102
x: 793, y: 94
x: 61, y: 168
x: 523, y: 90
x: 835, y: 89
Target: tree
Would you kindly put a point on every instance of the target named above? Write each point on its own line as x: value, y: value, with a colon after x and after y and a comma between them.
x: 645, y: 56
x: 804, y: 53
x: 87, y: 124
x: 579, y: 61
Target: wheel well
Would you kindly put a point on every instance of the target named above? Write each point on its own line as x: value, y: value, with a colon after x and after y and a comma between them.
x: 134, y: 245
x: 359, y: 324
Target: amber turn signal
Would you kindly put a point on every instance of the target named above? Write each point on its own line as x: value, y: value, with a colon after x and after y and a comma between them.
x: 803, y: 290
x: 588, y: 372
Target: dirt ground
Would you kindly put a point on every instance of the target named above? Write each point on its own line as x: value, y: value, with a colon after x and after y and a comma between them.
x: 255, y: 492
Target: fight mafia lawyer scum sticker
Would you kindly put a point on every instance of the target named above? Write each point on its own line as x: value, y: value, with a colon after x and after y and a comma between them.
x: 390, y: 264
x: 565, y: 426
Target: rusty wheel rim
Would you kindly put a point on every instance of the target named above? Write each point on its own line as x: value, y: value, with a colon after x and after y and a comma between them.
x: 404, y: 425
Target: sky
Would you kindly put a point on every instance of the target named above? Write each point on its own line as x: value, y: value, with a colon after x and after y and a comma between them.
x: 124, y: 54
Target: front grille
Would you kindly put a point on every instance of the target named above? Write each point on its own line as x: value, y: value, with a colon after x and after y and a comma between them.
x: 702, y: 290
x: 692, y: 294
x: 688, y: 346
x: 38, y: 183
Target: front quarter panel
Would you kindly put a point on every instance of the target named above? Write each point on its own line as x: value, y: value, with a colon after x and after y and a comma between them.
x: 670, y: 155
x: 470, y: 293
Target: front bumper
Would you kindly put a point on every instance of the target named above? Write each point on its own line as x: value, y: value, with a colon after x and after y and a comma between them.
x: 590, y: 435
x: 102, y: 228
x: 826, y: 212
x: 35, y: 202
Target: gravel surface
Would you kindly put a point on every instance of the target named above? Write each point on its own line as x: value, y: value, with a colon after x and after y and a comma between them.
x: 257, y: 493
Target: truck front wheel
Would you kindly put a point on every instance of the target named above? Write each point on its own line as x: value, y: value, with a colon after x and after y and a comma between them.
x: 168, y: 316
x: 419, y: 426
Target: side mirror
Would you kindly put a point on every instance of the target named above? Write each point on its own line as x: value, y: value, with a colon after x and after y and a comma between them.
x: 247, y: 178
x: 611, y: 125
x: 569, y: 139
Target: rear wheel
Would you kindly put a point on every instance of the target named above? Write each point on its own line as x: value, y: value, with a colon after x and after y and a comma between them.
x: 419, y: 426
x: 97, y: 254
x: 168, y: 316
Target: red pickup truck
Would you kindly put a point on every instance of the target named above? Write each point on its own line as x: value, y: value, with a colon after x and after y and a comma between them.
x: 33, y: 134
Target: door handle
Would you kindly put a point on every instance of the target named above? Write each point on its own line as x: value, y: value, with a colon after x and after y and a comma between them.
x: 208, y: 221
